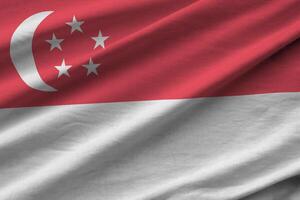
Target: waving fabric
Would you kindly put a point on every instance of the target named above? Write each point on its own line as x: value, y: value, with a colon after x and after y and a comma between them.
x: 149, y: 100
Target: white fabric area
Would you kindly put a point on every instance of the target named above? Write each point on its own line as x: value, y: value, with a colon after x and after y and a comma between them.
x: 191, y: 149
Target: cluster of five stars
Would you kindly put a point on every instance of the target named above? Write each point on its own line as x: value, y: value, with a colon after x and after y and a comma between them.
x: 56, y: 44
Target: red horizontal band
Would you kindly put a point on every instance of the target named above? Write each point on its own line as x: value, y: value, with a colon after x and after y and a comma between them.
x: 156, y: 50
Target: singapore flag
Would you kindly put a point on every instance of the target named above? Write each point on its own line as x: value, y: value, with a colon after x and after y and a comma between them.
x: 149, y: 100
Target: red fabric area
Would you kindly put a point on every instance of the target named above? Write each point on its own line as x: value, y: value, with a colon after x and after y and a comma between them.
x: 157, y: 49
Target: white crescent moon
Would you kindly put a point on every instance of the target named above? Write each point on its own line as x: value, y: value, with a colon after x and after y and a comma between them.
x: 22, y: 55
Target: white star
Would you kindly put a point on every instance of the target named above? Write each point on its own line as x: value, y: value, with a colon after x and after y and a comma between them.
x: 55, y: 43
x: 100, y: 40
x: 91, y: 67
x: 75, y: 25
x: 63, y: 69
